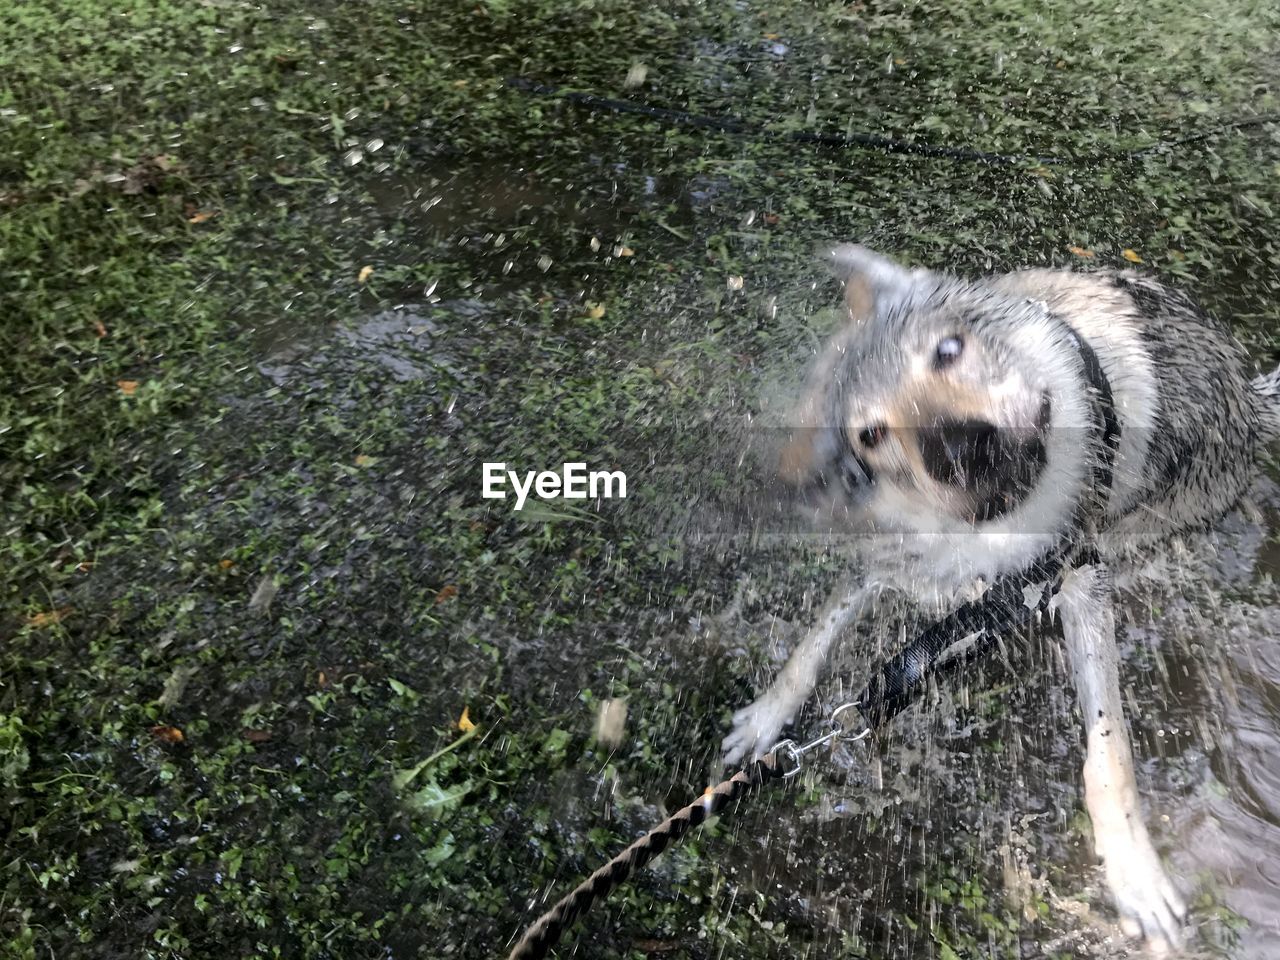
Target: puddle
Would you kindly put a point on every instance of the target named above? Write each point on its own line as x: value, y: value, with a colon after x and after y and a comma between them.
x: 1202, y: 664
x: 404, y: 343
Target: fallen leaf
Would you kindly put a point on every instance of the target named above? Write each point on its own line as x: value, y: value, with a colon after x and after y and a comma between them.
x: 322, y: 679
x: 365, y: 273
x: 447, y: 592
x: 47, y: 618
x: 595, y: 311
x: 1130, y: 256
x: 167, y: 734
x: 1177, y: 255
x: 226, y: 563
x: 363, y: 460
x: 127, y: 387
x: 99, y: 328
x: 200, y: 216
x: 464, y: 722
x: 175, y: 685
x: 657, y: 946
x: 256, y: 736
x: 611, y: 722
x: 636, y: 74
x: 433, y: 798
x: 263, y: 594
x: 1082, y: 252
x: 625, y: 251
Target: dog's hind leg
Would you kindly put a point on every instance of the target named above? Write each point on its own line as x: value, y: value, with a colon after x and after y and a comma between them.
x: 1148, y: 902
x: 756, y: 727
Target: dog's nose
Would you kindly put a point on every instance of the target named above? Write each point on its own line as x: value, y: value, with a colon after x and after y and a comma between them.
x: 959, y: 452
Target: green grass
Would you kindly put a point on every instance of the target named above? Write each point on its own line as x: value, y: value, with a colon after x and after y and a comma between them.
x: 177, y: 194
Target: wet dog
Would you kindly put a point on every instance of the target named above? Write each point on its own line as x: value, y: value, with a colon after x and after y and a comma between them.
x: 965, y: 430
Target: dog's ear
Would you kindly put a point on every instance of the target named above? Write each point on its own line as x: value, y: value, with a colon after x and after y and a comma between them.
x: 872, y: 283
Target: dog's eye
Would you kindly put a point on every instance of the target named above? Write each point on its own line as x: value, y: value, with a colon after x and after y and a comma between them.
x: 948, y: 352
x: 870, y: 436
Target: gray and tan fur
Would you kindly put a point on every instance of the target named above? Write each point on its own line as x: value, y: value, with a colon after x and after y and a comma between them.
x: 954, y: 428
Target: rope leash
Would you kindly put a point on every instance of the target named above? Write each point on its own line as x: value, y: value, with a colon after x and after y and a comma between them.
x: 780, y: 763
x: 964, y: 636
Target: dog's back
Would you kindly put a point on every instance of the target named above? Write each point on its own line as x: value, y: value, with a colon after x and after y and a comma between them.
x: 1192, y: 420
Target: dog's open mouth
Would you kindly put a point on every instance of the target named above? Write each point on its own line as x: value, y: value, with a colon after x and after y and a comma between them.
x: 996, y: 467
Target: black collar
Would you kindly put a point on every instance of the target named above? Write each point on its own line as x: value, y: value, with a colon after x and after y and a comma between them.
x: 1106, y: 423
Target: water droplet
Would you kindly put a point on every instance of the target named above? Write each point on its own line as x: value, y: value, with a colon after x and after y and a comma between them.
x: 352, y: 157
x: 374, y: 145
x: 544, y: 263
x: 736, y: 282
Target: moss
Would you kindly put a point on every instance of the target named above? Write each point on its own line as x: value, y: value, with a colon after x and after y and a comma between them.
x: 209, y: 394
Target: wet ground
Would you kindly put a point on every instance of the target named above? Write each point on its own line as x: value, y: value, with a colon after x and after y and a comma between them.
x: 277, y: 282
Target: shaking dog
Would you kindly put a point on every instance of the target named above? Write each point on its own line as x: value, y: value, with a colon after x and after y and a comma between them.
x: 965, y: 430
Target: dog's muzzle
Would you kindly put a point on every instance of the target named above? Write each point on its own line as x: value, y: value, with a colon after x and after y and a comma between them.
x: 996, y: 466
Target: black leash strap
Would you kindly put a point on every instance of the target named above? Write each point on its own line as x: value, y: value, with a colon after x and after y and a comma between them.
x: 544, y: 934
x: 868, y: 141
x: 1002, y: 609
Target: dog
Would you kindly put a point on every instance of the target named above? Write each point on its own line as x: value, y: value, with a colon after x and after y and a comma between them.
x: 964, y: 430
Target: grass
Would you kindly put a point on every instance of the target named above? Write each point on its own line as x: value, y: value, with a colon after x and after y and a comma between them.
x: 189, y: 197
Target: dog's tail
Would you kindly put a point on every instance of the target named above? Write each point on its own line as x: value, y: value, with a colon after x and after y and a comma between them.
x: 1267, y: 386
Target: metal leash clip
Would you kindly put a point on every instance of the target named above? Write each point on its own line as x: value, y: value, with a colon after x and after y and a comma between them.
x: 795, y: 752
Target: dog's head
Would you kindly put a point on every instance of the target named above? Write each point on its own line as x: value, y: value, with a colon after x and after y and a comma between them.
x: 925, y: 409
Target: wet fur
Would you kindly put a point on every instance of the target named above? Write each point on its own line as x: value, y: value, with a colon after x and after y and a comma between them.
x: 1191, y: 424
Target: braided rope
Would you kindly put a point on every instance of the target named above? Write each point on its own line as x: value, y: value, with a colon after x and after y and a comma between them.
x: 544, y: 934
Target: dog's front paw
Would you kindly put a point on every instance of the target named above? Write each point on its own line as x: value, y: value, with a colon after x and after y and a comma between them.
x: 1149, y: 904
x: 756, y: 728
